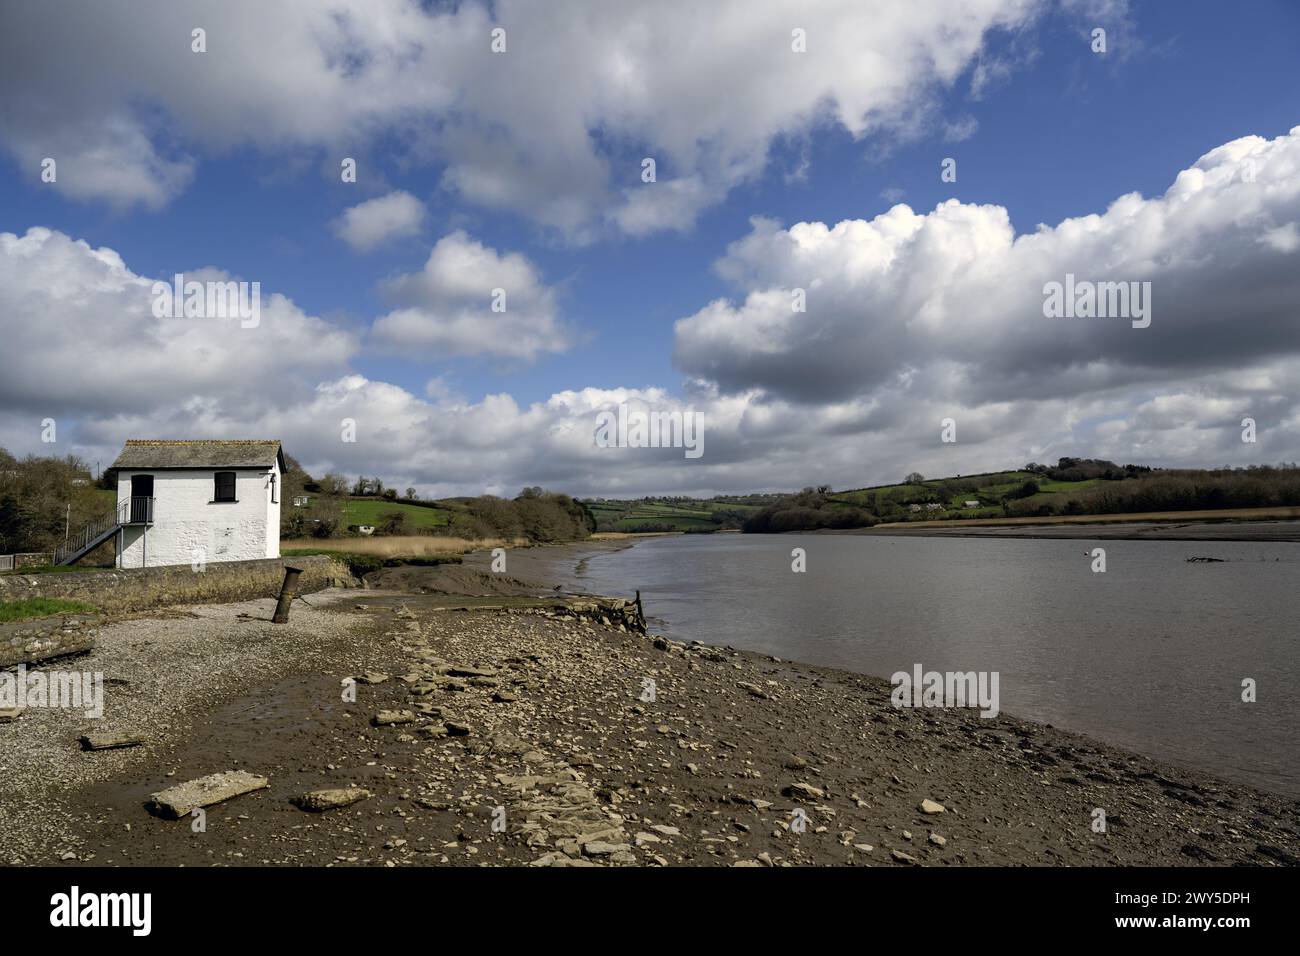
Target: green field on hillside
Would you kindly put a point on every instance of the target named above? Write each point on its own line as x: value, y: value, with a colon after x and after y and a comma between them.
x: 371, y: 511
x: 990, y: 490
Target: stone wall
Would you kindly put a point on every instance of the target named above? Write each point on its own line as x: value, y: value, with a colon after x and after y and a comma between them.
x: 31, y: 559
x: 27, y: 642
x: 136, y: 589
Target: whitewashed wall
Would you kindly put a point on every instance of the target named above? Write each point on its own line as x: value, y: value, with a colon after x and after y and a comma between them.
x: 273, y: 514
x: 187, y: 522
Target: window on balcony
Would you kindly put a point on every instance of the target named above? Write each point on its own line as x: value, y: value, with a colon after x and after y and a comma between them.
x: 225, y: 486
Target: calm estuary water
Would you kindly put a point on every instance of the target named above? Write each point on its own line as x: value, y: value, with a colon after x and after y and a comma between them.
x: 1149, y: 655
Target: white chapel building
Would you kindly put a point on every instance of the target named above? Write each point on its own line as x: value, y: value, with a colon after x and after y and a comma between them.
x: 187, y: 502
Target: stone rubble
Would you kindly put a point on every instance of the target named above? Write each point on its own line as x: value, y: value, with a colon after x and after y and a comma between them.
x: 318, y: 801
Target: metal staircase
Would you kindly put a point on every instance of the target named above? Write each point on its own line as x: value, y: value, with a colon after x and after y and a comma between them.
x: 129, y: 511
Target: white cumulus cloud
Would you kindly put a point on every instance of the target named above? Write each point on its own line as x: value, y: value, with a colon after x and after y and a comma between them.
x: 912, y: 318
x: 908, y: 290
x: 470, y: 299
x: 397, y: 215
x: 554, y: 128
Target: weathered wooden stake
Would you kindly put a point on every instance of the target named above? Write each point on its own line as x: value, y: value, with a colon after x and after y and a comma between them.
x: 286, y: 595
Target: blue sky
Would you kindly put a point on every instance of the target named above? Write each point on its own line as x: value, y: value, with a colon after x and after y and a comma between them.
x: 1062, y: 133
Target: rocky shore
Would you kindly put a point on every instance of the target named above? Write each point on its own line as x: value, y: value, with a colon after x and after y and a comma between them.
x: 399, y: 728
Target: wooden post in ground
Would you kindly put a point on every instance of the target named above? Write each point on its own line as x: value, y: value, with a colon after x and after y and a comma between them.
x: 286, y: 595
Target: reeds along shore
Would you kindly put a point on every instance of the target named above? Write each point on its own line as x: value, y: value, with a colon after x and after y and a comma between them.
x: 399, y: 546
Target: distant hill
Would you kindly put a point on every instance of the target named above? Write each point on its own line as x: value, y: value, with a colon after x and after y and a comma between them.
x: 1023, y: 491
x: 1074, y: 486
x: 692, y: 515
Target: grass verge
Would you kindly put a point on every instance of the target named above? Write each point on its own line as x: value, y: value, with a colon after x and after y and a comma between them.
x: 362, y: 564
x: 55, y: 569
x: 396, y: 546
x: 28, y: 608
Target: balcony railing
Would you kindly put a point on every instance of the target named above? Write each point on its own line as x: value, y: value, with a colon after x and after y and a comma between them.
x: 135, y: 510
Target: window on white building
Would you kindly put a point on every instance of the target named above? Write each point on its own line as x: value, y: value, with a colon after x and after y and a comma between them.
x: 225, y: 486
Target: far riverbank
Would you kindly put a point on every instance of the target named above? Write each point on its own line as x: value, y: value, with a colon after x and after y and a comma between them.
x: 1108, y: 527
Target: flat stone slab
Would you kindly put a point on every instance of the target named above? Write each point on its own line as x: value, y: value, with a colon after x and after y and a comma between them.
x: 602, y: 848
x: 177, y: 802
x: 318, y: 801
x: 110, y: 741
x: 386, y: 718
x: 458, y: 670
x: 8, y: 714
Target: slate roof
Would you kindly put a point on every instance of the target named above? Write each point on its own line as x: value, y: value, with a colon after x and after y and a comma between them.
x: 140, y: 453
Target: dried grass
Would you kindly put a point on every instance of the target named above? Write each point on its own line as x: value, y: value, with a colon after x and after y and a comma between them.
x: 620, y: 535
x: 401, y: 546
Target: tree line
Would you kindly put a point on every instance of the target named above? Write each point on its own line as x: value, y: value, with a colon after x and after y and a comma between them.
x: 40, y: 497
x: 1258, y: 486
x: 808, y: 510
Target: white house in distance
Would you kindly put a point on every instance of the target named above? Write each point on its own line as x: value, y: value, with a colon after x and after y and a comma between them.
x: 182, y: 502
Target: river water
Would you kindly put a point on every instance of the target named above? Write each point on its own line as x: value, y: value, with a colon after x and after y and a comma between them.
x: 1150, y: 655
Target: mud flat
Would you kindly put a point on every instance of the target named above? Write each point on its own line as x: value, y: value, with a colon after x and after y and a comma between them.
x: 541, y: 565
x: 527, y: 572
x: 534, y: 739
